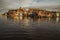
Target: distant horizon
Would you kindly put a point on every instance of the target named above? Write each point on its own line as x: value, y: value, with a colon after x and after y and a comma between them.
x: 44, y: 4
x: 28, y: 3
x: 49, y: 9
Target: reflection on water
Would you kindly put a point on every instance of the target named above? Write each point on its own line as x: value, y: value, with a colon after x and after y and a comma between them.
x: 57, y: 19
x: 30, y: 28
x: 27, y: 19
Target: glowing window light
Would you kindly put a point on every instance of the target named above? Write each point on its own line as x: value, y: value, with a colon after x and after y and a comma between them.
x: 20, y: 14
x: 57, y: 14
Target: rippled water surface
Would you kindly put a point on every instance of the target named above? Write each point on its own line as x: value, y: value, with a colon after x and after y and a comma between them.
x: 26, y: 28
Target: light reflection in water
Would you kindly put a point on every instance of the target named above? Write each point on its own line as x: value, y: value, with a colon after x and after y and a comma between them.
x: 5, y: 18
x: 21, y: 17
x: 32, y: 27
x: 27, y: 20
x: 16, y: 18
x: 49, y: 19
x: 57, y: 19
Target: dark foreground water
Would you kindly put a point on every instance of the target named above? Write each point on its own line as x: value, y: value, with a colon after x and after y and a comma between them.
x: 29, y: 28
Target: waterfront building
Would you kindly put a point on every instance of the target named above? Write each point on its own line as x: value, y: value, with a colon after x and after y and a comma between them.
x: 5, y: 14
x: 57, y: 14
x: 51, y: 14
x: 30, y: 11
x: 15, y: 13
x: 41, y: 13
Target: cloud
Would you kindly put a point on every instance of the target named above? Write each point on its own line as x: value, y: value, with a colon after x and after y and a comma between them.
x: 45, y: 2
x: 27, y: 3
x: 8, y: 4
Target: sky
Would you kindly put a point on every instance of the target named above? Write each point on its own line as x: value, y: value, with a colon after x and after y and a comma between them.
x: 8, y: 4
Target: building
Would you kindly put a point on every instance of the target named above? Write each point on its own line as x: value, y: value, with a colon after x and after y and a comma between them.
x: 50, y: 14
x: 42, y: 13
x: 57, y: 14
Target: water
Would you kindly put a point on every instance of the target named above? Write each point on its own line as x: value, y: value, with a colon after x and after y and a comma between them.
x: 26, y: 28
